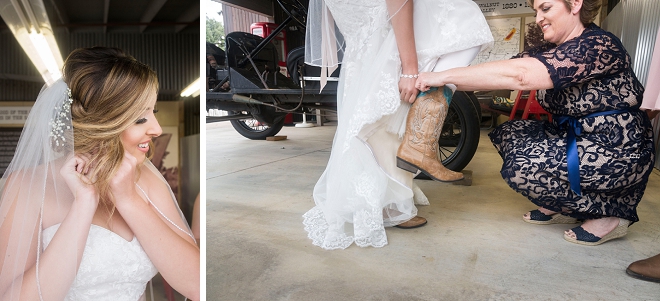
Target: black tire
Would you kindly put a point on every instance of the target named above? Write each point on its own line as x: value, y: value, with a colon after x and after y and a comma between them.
x: 475, y: 103
x: 252, y: 129
x: 460, y: 134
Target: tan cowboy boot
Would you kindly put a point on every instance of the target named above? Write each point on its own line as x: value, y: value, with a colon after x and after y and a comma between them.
x: 646, y: 269
x: 419, y: 148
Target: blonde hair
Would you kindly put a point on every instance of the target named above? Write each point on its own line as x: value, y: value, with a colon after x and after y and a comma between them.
x: 588, y: 12
x: 110, y: 90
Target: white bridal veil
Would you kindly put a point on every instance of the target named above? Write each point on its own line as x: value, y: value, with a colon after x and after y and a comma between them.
x: 324, y: 44
x: 31, y: 178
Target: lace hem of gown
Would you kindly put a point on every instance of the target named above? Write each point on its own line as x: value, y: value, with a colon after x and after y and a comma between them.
x: 321, y: 235
x: 372, y: 235
x: 379, y: 199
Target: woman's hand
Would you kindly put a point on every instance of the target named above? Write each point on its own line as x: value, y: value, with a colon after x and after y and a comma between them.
x: 75, y: 173
x: 157, y: 225
x: 407, y: 90
x: 122, y: 184
x: 426, y: 80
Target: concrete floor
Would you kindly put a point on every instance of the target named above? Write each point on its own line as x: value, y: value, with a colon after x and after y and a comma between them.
x: 475, y: 246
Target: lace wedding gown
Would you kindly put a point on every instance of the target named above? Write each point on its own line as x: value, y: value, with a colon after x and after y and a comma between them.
x: 111, y: 269
x: 362, y: 191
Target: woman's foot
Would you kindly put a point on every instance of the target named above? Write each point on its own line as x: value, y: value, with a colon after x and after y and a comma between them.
x: 647, y: 269
x: 544, y: 216
x: 597, y: 231
x: 414, y: 222
x: 528, y: 215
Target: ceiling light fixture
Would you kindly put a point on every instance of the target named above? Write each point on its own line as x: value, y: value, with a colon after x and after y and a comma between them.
x: 29, y: 23
x: 192, y: 90
x: 39, y: 42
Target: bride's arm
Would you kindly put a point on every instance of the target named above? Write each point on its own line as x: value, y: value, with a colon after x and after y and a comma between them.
x: 172, y: 251
x: 59, y: 263
x: 401, y: 12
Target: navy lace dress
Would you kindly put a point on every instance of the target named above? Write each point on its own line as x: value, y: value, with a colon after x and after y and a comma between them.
x: 591, y: 74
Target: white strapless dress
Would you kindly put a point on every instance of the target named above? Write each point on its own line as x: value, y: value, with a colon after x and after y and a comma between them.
x: 112, y: 268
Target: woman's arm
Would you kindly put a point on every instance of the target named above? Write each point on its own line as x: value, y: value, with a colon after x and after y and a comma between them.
x: 58, y: 264
x: 514, y: 74
x: 173, y: 252
x: 402, y: 23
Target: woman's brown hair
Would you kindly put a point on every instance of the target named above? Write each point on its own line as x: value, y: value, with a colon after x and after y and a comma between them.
x: 110, y: 90
x: 588, y: 12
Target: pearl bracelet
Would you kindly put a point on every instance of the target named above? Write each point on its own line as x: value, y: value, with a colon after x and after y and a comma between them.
x: 409, y: 75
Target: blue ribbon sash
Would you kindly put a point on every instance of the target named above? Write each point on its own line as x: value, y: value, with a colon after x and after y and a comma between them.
x: 574, y: 130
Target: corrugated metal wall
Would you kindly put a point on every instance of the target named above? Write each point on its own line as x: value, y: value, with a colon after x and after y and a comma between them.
x: 636, y: 23
x: 14, y: 61
x: 632, y: 11
x: 191, y: 116
x: 189, y: 150
x: 19, y: 79
x: 175, y: 57
x: 614, y: 21
x: 239, y: 19
x: 648, y: 30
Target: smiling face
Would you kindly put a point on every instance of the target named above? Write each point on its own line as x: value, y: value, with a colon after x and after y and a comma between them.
x: 558, y: 22
x: 136, y: 138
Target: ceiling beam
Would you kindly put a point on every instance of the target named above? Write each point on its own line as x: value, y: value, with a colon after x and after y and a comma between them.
x: 260, y: 6
x: 191, y: 14
x: 127, y: 24
x: 62, y: 16
x: 23, y: 78
x: 153, y: 9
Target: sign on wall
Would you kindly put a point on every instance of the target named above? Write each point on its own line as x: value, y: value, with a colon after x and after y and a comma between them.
x: 503, y: 8
x: 14, y: 115
x: 8, y: 142
x: 506, y: 35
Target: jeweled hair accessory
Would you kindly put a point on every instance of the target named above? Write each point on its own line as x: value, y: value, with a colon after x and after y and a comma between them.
x: 61, y: 122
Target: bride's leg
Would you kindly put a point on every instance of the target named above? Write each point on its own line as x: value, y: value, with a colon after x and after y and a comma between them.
x: 419, y: 148
x: 456, y: 59
x: 383, y: 146
x: 401, y: 212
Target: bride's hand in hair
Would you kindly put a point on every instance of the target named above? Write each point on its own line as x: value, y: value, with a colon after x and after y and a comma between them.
x: 122, y: 183
x: 76, y: 172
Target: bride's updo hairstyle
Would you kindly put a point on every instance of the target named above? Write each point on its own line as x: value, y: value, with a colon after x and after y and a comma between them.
x: 110, y: 91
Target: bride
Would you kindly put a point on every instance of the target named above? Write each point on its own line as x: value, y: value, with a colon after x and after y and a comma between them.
x: 84, y: 215
x: 387, y: 43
